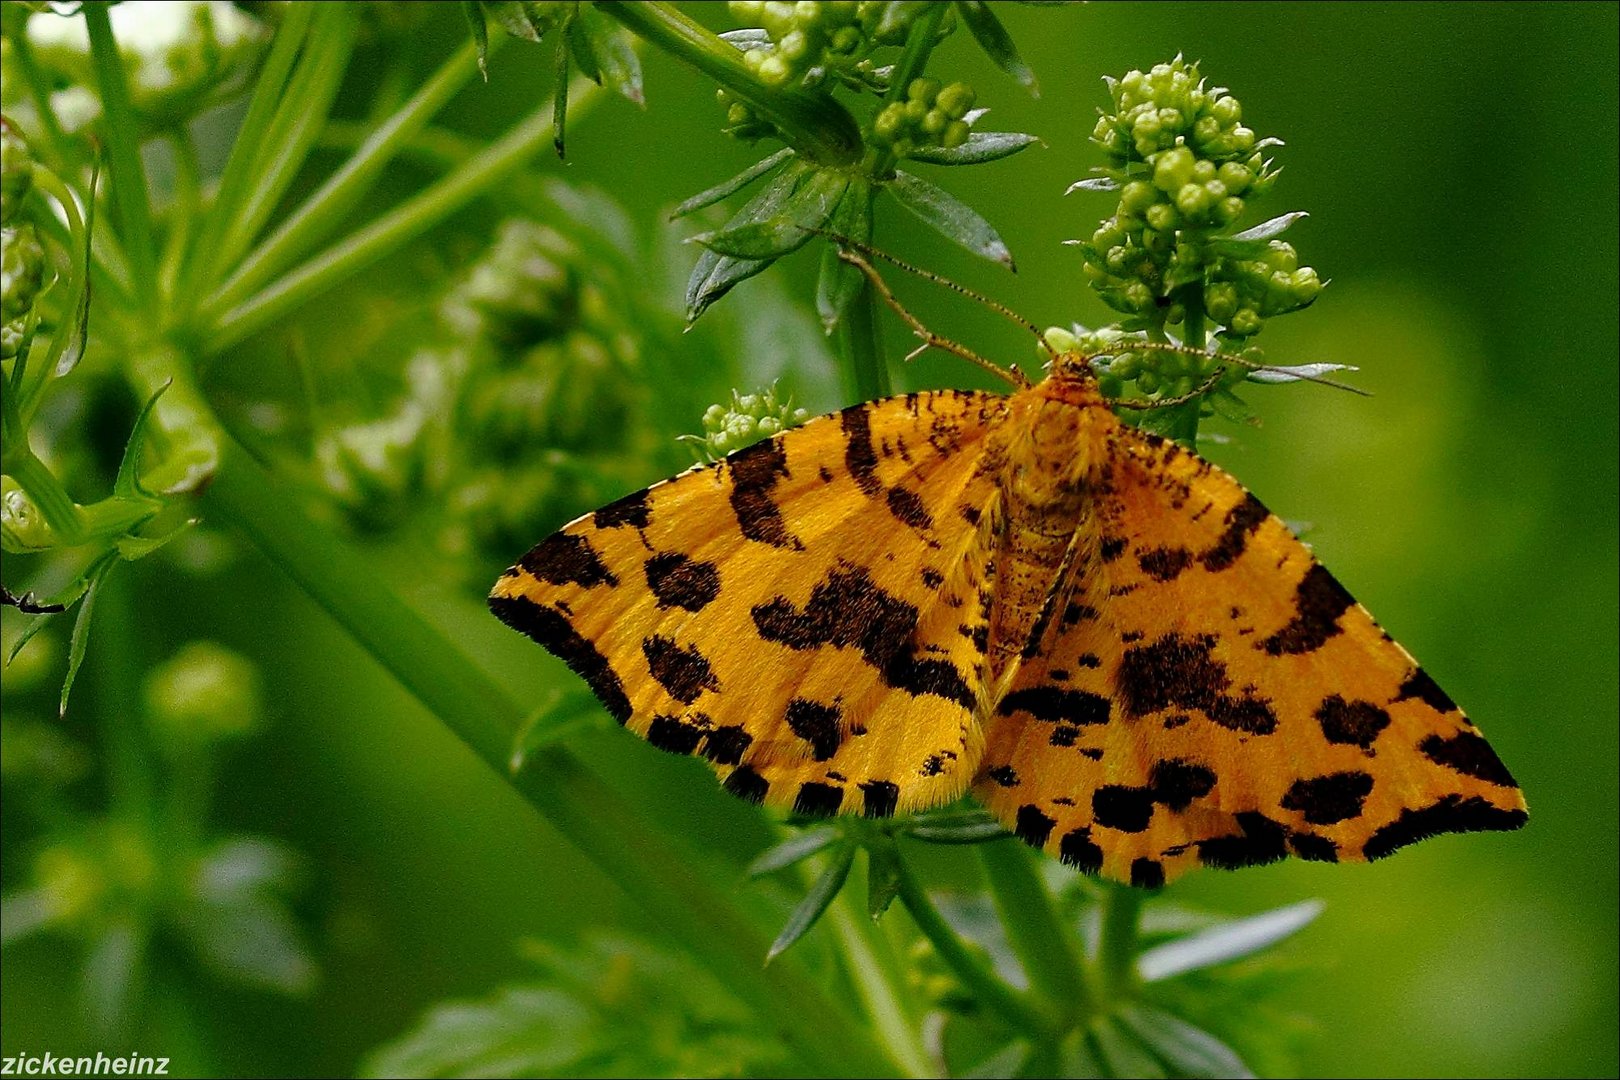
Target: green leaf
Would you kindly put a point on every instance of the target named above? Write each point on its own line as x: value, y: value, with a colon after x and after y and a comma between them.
x: 559, y: 103
x: 1121, y: 1054
x: 806, y: 210
x: 996, y: 42
x: 898, y: 15
x: 128, y: 482
x: 609, y: 45
x: 981, y: 146
x: 473, y: 11
x: 840, y: 283
x: 714, y: 274
x: 964, y: 833
x: 1190, y: 1051
x: 1226, y: 942
x: 801, y: 845
x: 882, y: 875
x: 1250, y: 241
x: 1296, y: 372
x: 950, y: 216
x: 79, y: 334
x: 563, y: 713
x: 1008, y: 1061
x: 1094, y: 183
x: 521, y: 1031
x: 815, y: 901
x: 730, y: 187
x: 253, y: 940
x: 526, y: 20
x: 80, y: 638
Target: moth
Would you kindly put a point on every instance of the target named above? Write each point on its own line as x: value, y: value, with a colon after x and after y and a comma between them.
x: 1102, y: 636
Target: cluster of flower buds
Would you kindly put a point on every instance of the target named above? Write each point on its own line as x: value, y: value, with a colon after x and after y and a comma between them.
x: 22, y: 257
x: 1186, y: 168
x: 748, y: 419
x: 932, y: 115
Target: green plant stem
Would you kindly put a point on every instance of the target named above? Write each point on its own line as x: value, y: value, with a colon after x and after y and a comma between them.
x: 55, y: 505
x: 660, y: 873
x: 119, y: 127
x: 813, y: 124
x: 399, y: 226
x: 1013, y: 1008
x: 55, y: 148
x: 1117, y: 940
x: 1044, y: 945
x: 312, y: 221
x: 920, y: 40
x: 878, y: 980
x: 861, y: 344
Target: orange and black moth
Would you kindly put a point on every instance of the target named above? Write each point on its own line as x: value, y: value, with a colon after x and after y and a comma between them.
x: 1101, y: 635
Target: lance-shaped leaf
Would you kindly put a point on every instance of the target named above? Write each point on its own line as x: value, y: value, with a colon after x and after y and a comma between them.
x: 473, y: 11
x: 1252, y: 241
x: 1226, y: 942
x: 714, y: 274
x: 795, y: 848
x: 786, y: 231
x: 730, y: 187
x: 1120, y: 1053
x: 612, y: 58
x: 950, y: 216
x: 882, y: 874
x: 996, y: 42
x: 1296, y: 372
x: 840, y: 282
x: 80, y: 638
x: 1093, y: 183
x: 815, y: 901
x: 1188, y: 1050
x: 981, y: 146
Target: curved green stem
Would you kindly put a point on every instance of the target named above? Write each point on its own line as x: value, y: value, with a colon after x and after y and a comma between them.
x: 651, y: 867
x: 870, y: 960
x: 1044, y: 945
x: 1117, y: 943
x: 1013, y: 1008
x: 119, y: 125
x: 814, y: 124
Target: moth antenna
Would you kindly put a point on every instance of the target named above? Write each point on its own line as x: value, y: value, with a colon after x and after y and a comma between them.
x: 939, y: 279
x: 929, y: 338
x: 1165, y: 403
x: 1225, y: 357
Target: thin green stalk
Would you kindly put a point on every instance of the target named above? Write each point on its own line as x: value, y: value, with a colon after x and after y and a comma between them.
x: 55, y: 505
x: 295, y: 129
x: 312, y: 221
x: 119, y: 125
x: 1117, y: 940
x: 1044, y: 945
x: 132, y: 788
x: 55, y: 148
x: 659, y: 872
x: 861, y: 345
x: 1014, y: 1009
x: 920, y: 40
x: 873, y: 968
x: 233, y: 182
x: 814, y: 124
x: 404, y: 223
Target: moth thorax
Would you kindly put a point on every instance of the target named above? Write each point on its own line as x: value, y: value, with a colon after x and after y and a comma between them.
x: 1057, y: 459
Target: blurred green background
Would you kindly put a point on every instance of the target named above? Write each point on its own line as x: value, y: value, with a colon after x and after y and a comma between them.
x: 1459, y: 164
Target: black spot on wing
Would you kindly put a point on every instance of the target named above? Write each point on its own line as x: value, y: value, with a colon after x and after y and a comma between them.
x: 860, y: 457
x: 566, y: 559
x: 818, y: 800
x: 881, y: 797
x: 1053, y: 704
x: 1128, y: 809
x: 1182, y: 672
x: 1423, y: 687
x: 1079, y: 851
x: 1330, y: 799
x: 907, y: 505
x: 678, y: 581
x: 1450, y: 814
x: 551, y: 628
x: 681, y: 670
x: 1313, y: 848
x: 1165, y: 564
x: 755, y: 472
x: 674, y: 734
x: 1469, y: 754
x: 1032, y: 826
x: 1319, y: 601
x: 1111, y: 548
x: 1354, y: 723
x: 849, y: 610
x: 1005, y: 775
x: 816, y: 724
x: 1261, y: 841
x: 1241, y: 522
x: 632, y: 510
x: 1177, y: 782
x: 725, y: 745
x: 1147, y: 873
x: 747, y: 784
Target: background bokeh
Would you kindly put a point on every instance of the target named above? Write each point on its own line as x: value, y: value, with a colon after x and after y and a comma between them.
x: 1459, y: 164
